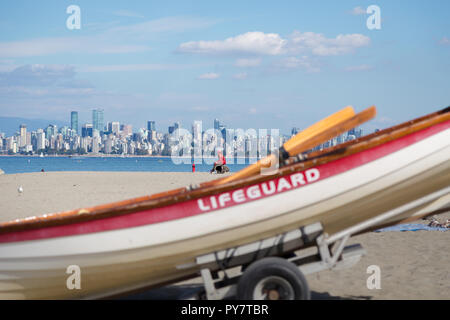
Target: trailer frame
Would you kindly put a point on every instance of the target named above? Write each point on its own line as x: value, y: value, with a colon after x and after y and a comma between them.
x: 333, y: 253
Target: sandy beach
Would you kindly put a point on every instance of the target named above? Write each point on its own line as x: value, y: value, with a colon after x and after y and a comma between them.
x: 414, y: 265
x: 49, y: 192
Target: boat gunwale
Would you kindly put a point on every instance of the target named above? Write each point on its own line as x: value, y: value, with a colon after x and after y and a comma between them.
x: 147, y: 202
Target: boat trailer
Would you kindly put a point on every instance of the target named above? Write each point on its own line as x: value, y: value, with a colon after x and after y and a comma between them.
x: 270, y: 269
x: 274, y: 268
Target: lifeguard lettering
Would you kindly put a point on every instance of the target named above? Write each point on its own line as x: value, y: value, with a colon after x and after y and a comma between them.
x: 279, y: 185
x: 265, y: 189
x: 224, y: 198
x: 239, y: 196
x: 283, y: 184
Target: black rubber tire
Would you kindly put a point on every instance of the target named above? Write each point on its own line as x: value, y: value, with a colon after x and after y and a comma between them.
x: 272, y: 267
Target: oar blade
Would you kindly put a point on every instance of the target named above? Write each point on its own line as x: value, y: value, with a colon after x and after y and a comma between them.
x: 294, y: 145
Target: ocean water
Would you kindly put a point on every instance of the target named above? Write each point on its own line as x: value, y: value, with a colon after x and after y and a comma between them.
x: 22, y: 164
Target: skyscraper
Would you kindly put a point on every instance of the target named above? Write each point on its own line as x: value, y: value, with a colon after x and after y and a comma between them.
x: 51, y: 131
x: 115, y: 127
x: 40, y: 136
x: 127, y: 129
x: 151, y: 125
x: 74, y: 121
x: 86, y: 130
x: 23, y: 135
x: 197, y: 140
x: 97, y: 119
x: 216, y: 124
x: 197, y: 129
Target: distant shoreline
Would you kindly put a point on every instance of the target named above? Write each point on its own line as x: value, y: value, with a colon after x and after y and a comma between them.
x: 82, y: 155
x: 110, y: 156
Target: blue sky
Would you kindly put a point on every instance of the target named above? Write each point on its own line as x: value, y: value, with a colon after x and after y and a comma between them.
x: 259, y: 64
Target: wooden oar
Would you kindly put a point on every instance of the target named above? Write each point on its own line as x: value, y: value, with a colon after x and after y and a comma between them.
x: 306, y: 139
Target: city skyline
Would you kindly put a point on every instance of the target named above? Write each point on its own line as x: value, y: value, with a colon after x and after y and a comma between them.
x: 255, y: 64
x: 115, y: 138
x: 211, y: 120
x: 151, y: 125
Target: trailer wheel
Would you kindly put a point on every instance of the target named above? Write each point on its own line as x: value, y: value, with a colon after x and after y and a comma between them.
x: 272, y: 279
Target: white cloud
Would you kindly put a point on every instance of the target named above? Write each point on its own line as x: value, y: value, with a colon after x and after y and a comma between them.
x: 320, y: 45
x: 127, y: 67
x: 260, y: 43
x: 37, y: 92
x: 303, y: 62
x: 79, y: 45
x: 38, y: 75
x: 7, y: 65
x: 240, y: 76
x: 167, y: 24
x: 43, y: 81
x: 248, y: 62
x: 445, y: 41
x: 251, y: 43
x: 358, y: 11
x: 362, y: 67
x: 209, y: 76
x: 116, y: 39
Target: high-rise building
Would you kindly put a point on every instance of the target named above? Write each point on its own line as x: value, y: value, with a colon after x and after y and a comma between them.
x: 95, y: 133
x: 51, y: 131
x: 96, y: 144
x: 11, y: 144
x: 40, y: 139
x: 177, y: 125
x: 359, y: 134
x: 97, y: 119
x: 86, y: 130
x: 64, y: 130
x: 113, y: 127
x: 171, y: 129
x: 23, y: 135
x: 197, y: 129
x: 74, y: 121
x: 216, y: 124
x: 108, y: 145
x: 152, y: 136
x: 127, y: 129
x: 151, y: 125
x: 294, y: 131
x: 340, y: 139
